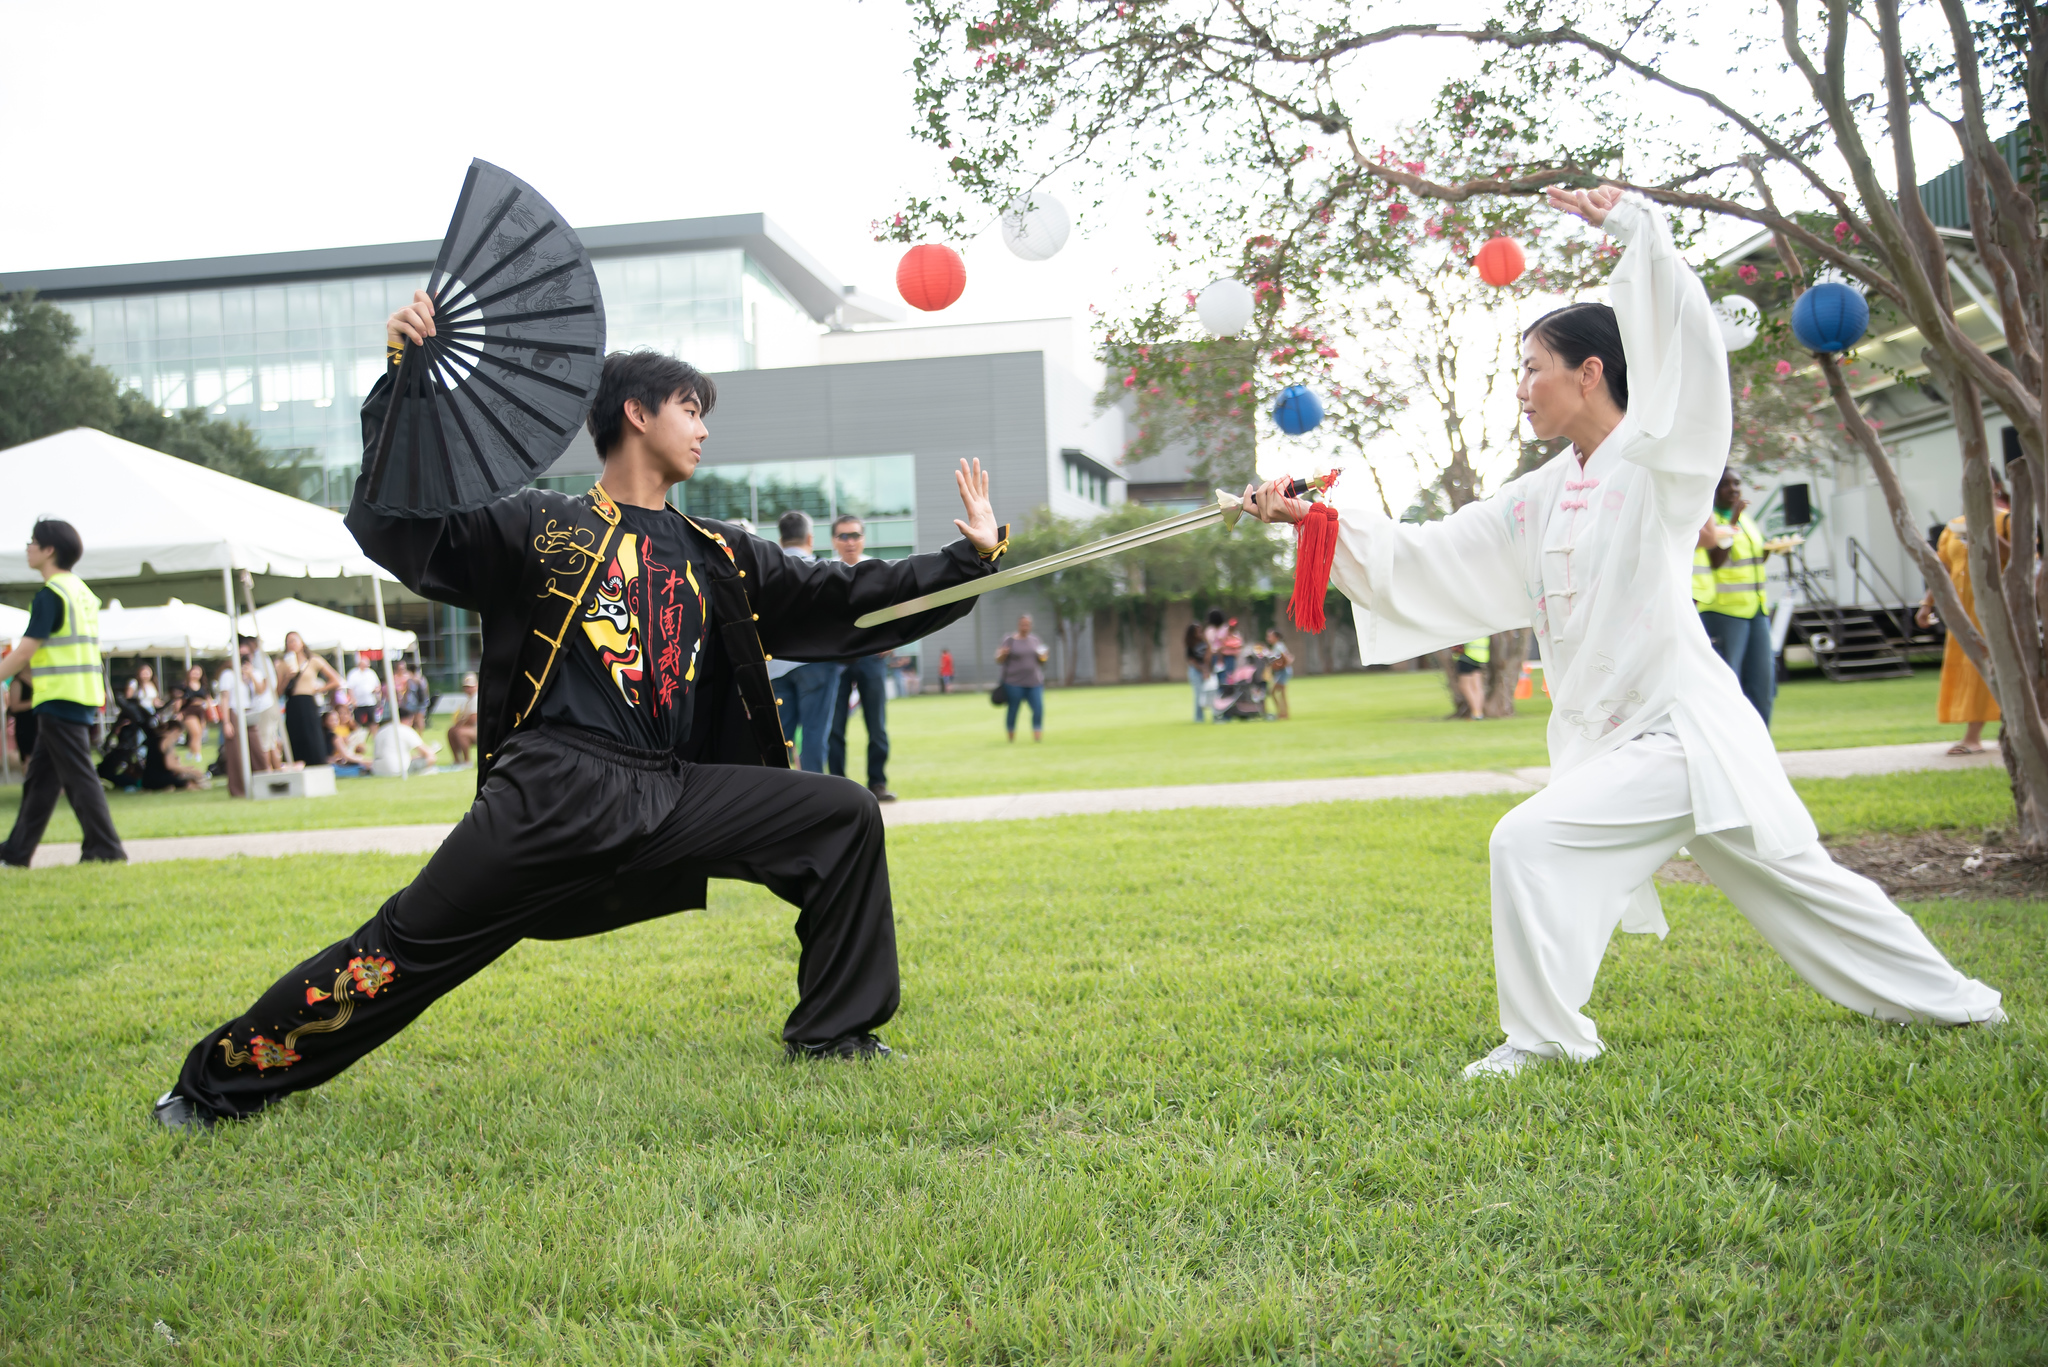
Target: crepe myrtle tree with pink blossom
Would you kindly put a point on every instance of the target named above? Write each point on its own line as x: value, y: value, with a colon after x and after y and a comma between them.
x: 1252, y: 121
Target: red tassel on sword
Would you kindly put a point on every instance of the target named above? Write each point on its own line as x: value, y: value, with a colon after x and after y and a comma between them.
x: 1315, y: 548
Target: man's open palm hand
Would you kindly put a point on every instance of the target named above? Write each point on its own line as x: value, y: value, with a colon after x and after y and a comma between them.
x: 980, y: 526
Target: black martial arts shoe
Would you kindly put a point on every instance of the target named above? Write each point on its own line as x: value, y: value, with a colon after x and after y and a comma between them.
x: 174, y: 1112
x: 862, y: 1047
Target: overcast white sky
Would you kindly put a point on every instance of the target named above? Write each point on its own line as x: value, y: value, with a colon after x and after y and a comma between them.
x: 133, y: 132
x: 156, y: 132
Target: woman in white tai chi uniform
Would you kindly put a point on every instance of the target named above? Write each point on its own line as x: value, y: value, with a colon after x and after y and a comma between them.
x: 1652, y: 744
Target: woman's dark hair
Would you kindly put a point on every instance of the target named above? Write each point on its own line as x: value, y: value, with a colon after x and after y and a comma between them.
x: 60, y: 537
x: 1215, y: 617
x: 650, y: 377
x: 1578, y: 331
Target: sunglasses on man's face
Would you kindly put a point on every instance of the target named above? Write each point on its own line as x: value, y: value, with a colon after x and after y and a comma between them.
x: 848, y: 536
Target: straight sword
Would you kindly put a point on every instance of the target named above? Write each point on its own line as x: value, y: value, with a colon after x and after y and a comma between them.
x: 1227, y: 509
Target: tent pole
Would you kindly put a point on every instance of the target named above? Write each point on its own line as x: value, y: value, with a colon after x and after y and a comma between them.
x: 227, y: 586
x: 390, y: 690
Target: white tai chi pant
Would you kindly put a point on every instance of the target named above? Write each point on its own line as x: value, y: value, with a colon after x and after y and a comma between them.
x: 1566, y: 862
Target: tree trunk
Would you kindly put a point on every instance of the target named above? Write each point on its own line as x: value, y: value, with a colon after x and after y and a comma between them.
x: 1504, y: 671
x: 1447, y: 661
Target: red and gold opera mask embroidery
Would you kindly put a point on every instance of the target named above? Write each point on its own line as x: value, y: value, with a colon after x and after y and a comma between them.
x: 613, y: 620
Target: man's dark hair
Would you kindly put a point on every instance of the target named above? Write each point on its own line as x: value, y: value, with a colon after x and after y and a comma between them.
x: 650, y: 377
x: 843, y: 519
x: 1578, y: 331
x: 1215, y: 617
x: 60, y: 537
x: 794, y: 527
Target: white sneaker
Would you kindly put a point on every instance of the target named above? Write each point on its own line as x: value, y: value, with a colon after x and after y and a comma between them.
x: 1505, y: 1061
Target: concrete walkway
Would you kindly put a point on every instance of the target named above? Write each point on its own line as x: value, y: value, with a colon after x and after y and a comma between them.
x: 1869, y: 759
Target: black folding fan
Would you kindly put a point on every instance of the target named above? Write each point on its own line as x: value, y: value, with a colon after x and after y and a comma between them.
x: 498, y: 392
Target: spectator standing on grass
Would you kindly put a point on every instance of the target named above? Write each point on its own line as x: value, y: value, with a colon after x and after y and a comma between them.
x: 1470, y: 666
x: 805, y: 692
x: 266, y: 716
x: 945, y: 671
x: 1022, y: 656
x: 306, y: 676
x: 1196, y: 652
x: 1964, y: 696
x: 869, y: 673
x: 195, y: 713
x: 145, y: 689
x: 62, y: 646
x: 365, y: 691
x: 462, y: 726
x: 414, y: 696
x: 1728, y: 588
x: 1283, y: 670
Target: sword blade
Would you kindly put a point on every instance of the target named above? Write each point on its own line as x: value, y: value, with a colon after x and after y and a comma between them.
x: 1079, y: 555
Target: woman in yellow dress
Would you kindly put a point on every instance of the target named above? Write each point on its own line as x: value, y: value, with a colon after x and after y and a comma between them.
x: 1965, y: 697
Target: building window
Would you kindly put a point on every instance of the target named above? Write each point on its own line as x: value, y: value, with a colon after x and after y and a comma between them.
x: 880, y: 490
x: 1085, y: 479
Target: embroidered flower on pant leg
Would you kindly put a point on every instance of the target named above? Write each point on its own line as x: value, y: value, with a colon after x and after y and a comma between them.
x: 268, y: 1053
x: 370, y: 972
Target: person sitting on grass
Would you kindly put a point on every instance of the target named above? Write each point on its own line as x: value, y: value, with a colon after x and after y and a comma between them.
x: 163, y: 768
x: 399, y: 749
x: 631, y: 750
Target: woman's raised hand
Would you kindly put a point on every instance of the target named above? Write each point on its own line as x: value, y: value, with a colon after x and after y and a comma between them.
x: 1592, y: 205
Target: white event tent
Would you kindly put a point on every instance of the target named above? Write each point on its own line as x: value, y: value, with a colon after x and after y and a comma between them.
x: 13, y: 622
x: 170, y: 629
x: 142, y: 512
x: 324, y: 629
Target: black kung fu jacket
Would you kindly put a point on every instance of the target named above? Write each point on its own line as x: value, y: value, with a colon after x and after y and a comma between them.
x: 526, y: 564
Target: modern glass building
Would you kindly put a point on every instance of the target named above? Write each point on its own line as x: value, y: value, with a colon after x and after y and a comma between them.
x: 812, y: 415
x: 290, y: 342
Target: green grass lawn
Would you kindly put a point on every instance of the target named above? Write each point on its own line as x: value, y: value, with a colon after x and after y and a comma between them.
x: 1160, y: 1104
x: 1106, y: 738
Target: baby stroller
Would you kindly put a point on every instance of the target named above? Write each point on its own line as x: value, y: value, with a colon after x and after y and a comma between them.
x: 127, y: 746
x: 1241, y: 694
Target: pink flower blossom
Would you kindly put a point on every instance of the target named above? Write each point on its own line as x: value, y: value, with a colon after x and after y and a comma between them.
x: 1841, y: 231
x: 1747, y: 273
x: 1191, y: 299
x: 1396, y: 212
x: 1784, y: 368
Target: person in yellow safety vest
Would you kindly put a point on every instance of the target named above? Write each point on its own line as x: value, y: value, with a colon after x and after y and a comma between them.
x: 1728, y: 589
x: 62, y: 646
x: 1471, y: 675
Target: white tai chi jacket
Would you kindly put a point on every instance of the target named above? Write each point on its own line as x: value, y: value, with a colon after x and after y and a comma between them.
x: 1597, y: 560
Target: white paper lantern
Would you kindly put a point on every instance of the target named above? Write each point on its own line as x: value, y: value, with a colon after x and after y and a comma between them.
x: 1225, y: 308
x: 1035, y: 226
x: 1739, y: 320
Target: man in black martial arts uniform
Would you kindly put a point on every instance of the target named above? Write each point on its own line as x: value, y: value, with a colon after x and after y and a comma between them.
x: 629, y: 745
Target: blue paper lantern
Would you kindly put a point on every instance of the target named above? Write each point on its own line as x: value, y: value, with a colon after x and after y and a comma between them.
x: 1298, y: 410
x: 1830, y: 318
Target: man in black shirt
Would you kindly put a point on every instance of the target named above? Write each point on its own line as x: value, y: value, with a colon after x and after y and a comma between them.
x: 629, y: 745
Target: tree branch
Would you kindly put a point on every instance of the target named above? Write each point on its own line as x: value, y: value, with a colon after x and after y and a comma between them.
x: 1947, y: 601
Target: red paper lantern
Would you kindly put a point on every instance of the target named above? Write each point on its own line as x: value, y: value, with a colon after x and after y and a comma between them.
x: 930, y: 276
x: 1500, y: 261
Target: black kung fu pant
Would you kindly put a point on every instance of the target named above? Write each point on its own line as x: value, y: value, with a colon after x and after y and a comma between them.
x: 574, y: 835
x: 63, y: 761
